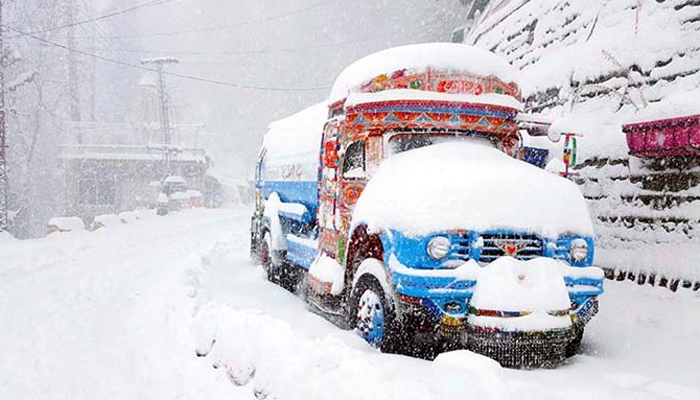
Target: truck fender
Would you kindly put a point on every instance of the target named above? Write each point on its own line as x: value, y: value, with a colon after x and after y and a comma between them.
x: 271, y: 223
x: 375, y: 268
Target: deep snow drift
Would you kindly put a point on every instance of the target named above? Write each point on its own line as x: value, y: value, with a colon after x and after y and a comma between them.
x: 121, y: 313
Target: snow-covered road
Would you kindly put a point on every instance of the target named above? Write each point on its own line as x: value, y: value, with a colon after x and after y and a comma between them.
x: 121, y: 313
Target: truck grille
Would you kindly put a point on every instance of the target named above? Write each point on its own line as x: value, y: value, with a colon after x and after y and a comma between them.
x: 461, y: 247
x: 526, y: 246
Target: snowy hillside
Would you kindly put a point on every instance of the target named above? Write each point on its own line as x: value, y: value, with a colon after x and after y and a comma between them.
x: 593, y: 66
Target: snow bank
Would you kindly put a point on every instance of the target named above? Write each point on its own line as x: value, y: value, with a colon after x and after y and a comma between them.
x: 107, y: 220
x: 66, y: 224
x: 327, y: 270
x: 144, y: 213
x: 673, y: 105
x: 536, y: 286
x: 128, y: 217
x: 279, y: 360
x: 469, y: 185
x: 6, y: 238
x: 419, y: 58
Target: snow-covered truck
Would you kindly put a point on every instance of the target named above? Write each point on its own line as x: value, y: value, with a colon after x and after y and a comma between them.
x: 400, y: 204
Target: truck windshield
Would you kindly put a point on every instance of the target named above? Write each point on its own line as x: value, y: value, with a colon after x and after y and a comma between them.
x: 409, y: 141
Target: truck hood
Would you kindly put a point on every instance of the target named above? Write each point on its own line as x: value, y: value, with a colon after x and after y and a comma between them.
x: 469, y: 185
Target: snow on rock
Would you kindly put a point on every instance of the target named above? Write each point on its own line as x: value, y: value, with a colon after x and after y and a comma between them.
x: 580, y: 59
x: 535, y: 286
x: 128, y: 217
x: 327, y: 270
x: 419, y: 58
x: 145, y: 213
x: 6, y: 238
x: 469, y: 184
x: 555, y: 166
x: 674, y: 105
x: 107, y: 220
x: 66, y: 224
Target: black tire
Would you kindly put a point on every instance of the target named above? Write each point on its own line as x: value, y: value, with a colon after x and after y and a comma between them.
x: 266, y: 257
x: 277, y: 269
x: 391, y: 338
x: 289, y: 276
x: 254, y: 248
x: 574, y: 345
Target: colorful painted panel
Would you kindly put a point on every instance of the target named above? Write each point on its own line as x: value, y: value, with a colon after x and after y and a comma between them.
x: 664, y: 138
x: 422, y: 114
x: 440, y: 81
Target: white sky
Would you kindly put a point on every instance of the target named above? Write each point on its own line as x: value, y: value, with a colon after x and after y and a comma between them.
x: 306, y: 48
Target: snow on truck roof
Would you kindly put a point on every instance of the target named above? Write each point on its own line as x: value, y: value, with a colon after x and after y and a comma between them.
x: 297, y: 134
x: 452, y: 57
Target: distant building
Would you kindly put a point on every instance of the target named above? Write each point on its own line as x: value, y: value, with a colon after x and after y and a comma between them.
x: 106, y: 179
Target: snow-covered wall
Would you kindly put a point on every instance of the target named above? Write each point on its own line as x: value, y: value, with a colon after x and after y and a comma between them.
x: 583, y: 58
x: 594, y: 65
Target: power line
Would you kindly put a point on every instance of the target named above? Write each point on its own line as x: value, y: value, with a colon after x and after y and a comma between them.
x: 183, y: 76
x: 246, y: 52
x: 101, y: 17
x: 227, y: 27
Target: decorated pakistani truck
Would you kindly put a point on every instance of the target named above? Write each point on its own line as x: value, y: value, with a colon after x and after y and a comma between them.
x: 400, y: 210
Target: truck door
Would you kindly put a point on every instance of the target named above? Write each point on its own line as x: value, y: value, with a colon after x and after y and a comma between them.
x: 353, y: 178
x: 328, y: 216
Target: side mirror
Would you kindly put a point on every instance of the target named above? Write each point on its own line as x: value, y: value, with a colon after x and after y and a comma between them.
x: 570, y: 151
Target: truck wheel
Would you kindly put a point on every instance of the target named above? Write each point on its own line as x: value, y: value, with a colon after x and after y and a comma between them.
x: 254, y: 253
x: 574, y: 345
x: 375, y: 320
x: 266, y: 257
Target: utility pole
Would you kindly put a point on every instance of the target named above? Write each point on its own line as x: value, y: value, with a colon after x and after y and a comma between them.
x: 73, y: 85
x: 165, y: 127
x: 3, y: 144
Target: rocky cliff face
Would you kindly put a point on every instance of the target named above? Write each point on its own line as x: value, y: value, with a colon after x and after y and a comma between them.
x: 594, y: 65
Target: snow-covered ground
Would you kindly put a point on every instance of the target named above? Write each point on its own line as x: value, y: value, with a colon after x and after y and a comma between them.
x: 122, y: 313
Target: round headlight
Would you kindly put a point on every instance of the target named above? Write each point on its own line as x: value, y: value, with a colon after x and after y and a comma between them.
x: 578, y: 250
x: 438, y: 247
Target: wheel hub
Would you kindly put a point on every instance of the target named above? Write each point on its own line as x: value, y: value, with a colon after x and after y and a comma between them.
x: 370, y: 317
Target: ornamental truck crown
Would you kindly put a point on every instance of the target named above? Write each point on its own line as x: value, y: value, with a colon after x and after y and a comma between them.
x: 401, y: 210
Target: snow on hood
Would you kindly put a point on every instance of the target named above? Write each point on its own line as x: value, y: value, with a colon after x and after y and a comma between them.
x: 469, y: 185
x: 420, y: 57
